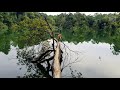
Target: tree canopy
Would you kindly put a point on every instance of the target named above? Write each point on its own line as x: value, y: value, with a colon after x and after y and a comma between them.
x: 30, y: 27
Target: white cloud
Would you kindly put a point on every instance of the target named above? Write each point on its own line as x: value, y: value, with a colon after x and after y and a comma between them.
x: 87, y: 13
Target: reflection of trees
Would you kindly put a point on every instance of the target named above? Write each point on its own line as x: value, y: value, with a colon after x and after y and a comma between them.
x: 116, y: 49
x: 5, y: 43
x: 34, y: 70
x: 39, y: 61
x: 79, y: 74
x: 96, y: 37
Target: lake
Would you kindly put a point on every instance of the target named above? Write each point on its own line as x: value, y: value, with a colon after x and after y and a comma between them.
x: 95, y: 60
x: 90, y: 45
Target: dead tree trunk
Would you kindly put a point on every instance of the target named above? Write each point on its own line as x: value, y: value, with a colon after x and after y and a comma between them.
x: 56, y: 62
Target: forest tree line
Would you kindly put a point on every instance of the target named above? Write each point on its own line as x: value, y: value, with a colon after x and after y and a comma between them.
x: 74, y: 23
x: 74, y: 27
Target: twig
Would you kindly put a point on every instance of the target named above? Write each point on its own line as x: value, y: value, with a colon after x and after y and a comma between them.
x: 47, y: 59
x: 71, y: 50
x: 63, y: 63
x: 42, y: 55
x: 72, y: 62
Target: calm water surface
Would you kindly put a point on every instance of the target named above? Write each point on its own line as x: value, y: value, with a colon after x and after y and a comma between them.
x: 95, y: 61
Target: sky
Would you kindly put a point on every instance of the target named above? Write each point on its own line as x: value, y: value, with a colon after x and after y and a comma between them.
x: 87, y: 13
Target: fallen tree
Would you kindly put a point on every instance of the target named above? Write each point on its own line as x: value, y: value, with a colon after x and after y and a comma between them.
x: 49, y: 59
x: 56, y: 62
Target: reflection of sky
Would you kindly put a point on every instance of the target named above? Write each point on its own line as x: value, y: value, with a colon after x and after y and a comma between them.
x: 98, y: 60
x: 8, y: 65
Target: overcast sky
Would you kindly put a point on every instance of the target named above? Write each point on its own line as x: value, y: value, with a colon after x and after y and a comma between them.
x: 87, y: 13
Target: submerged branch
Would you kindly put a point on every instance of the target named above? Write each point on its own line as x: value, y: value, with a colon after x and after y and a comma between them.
x: 42, y: 55
x: 70, y: 49
x: 51, y: 58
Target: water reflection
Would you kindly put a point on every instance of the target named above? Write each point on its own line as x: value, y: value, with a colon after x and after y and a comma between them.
x: 97, y: 58
x: 98, y: 61
x: 5, y: 43
x: 8, y: 66
x: 42, y: 68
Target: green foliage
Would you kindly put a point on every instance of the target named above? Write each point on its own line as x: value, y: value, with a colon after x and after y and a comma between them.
x: 4, y: 43
x: 3, y: 28
x: 30, y: 28
x: 26, y: 28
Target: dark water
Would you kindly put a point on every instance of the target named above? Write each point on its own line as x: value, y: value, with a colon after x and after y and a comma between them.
x: 94, y: 60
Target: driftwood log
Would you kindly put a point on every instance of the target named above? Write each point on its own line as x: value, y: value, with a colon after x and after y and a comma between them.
x: 56, y: 62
